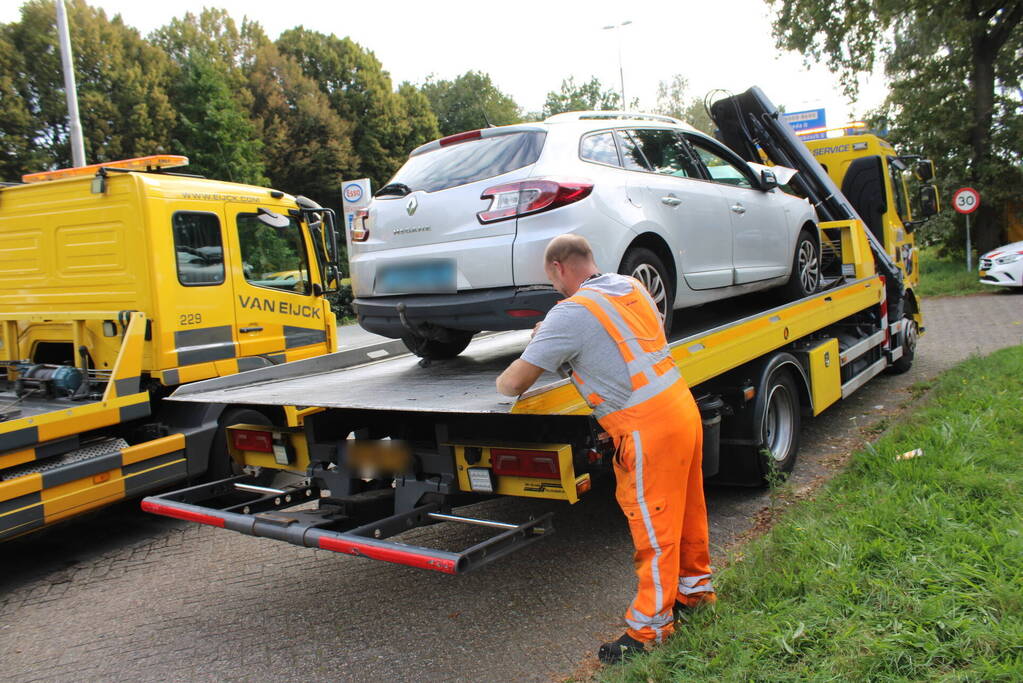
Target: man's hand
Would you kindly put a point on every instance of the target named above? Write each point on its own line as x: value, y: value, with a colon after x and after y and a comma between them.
x: 519, y: 376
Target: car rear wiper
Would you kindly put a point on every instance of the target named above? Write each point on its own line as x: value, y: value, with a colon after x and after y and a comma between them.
x: 397, y: 189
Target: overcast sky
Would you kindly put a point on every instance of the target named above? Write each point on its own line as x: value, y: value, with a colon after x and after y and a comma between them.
x: 528, y: 47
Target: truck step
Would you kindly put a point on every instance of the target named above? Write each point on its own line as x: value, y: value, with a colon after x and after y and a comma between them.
x: 92, y: 450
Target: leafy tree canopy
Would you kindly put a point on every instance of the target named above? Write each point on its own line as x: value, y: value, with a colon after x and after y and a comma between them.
x: 673, y: 99
x: 589, y: 96
x: 122, y: 90
x: 954, y: 70
x: 468, y: 102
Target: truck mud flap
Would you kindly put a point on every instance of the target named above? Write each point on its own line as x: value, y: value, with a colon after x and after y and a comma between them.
x: 239, y: 504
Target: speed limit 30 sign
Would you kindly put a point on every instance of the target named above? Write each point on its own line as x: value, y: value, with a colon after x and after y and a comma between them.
x: 966, y: 200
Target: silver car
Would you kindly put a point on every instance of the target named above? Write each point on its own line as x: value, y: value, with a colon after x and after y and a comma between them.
x: 453, y: 244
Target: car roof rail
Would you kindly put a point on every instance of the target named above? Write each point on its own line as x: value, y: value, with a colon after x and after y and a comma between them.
x: 614, y: 115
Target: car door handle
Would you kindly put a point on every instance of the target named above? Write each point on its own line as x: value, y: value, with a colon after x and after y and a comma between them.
x: 671, y: 200
x: 250, y: 329
x: 738, y: 208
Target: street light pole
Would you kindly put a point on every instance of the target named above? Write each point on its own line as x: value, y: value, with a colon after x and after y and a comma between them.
x: 621, y: 71
x: 70, y: 89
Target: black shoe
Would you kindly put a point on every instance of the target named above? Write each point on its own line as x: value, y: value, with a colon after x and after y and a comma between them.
x: 616, y: 651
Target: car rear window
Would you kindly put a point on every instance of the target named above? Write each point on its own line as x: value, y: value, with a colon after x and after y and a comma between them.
x: 467, y: 162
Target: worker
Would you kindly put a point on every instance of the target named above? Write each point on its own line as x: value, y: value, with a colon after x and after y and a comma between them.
x: 608, y: 336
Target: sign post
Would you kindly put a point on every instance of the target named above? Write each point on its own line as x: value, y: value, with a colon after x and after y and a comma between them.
x: 966, y: 200
x: 806, y: 120
x: 355, y: 195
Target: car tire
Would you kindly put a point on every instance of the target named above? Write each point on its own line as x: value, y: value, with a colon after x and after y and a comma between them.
x: 910, y: 336
x: 453, y: 344
x: 221, y: 464
x: 647, y: 267
x: 805, y: 278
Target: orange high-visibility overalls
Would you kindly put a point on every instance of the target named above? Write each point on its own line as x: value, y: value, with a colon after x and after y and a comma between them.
x: 659, y: 439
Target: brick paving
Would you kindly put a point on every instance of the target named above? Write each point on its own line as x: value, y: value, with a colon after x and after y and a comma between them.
x: 124, y: 596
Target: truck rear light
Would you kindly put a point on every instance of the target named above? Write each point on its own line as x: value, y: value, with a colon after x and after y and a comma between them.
x: 252, y: 440
x: 516, y: 463
x: 530, y: 196
x: 461, y: 137
x: 360, y: 233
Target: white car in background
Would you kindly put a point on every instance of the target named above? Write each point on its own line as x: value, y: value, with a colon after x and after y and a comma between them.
x: 1003, y: 266
x: 454, y: 243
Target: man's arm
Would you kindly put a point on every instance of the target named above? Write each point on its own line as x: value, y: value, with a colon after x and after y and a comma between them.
x: 519, y: 376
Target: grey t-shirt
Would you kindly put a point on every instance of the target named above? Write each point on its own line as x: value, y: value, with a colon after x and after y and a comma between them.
x: 571, y: 335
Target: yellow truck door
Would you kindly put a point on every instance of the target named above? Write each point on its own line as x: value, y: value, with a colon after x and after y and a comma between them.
x: 276, y: 309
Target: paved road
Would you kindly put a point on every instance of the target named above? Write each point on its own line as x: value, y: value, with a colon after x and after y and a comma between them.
x: 126, y: 596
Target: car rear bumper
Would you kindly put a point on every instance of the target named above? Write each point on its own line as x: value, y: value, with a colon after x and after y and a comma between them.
x: 501, y: 308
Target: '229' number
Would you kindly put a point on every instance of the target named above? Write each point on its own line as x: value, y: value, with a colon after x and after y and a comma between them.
x: 190, y: 319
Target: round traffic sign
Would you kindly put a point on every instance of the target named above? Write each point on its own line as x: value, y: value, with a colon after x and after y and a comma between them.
x: 966, y: 200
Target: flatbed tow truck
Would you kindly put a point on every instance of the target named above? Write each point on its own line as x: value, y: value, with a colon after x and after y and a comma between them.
x: 385, y: 444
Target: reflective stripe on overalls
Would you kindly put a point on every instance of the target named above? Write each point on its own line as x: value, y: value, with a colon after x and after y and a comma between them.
x: 659, y: 438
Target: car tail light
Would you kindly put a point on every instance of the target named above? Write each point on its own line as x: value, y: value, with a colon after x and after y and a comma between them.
x: 461, y: 137
x: 530, y: 196
x: 516, y: 463
x: 523, y: 313
x: 360, y: 233
x: 252, y: 440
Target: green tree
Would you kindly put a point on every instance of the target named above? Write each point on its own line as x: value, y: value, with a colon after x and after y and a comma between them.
x: 589, y: 96
x: 423, y: 125
x: 673, y: 99
x: 308, y: 145
x: 468, y: 102
x: 954, y: 69
x: 122, y: 83
x: 360, y: 91
x: 212, y: 127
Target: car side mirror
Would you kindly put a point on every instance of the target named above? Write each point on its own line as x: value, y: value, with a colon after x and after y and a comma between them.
x: 924, y: 170
x: 768, y: 181
x: 928, y: 201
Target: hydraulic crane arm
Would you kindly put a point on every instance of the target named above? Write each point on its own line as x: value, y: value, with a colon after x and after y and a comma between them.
x: 749, y: 122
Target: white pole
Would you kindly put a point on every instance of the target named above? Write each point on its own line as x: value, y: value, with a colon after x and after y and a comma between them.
x: 969, y: 249
x: 621, y: 71
x: 74, y: 123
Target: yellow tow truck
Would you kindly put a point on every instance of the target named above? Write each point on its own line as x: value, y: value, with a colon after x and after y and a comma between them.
x: 121, y: 282
x: 396, y: 443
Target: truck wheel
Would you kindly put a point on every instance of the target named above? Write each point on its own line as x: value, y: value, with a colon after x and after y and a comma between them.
x: 909, y: 339
x: 806, y: 269
x: 646, y: 266
x: 779, y: 430
x: 436, y: 349
x: 221, y: 464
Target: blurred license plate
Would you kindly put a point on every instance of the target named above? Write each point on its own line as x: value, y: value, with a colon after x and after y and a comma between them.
x: 417, y: 277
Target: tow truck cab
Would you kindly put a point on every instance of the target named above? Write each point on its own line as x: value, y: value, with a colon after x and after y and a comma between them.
x: 120, y: 282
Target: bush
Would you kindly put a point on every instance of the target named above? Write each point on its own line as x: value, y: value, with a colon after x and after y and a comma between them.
x: 341, y: 302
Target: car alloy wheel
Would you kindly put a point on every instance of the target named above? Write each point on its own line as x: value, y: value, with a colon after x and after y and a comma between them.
x: 809, y: 267
x: 651, y: 279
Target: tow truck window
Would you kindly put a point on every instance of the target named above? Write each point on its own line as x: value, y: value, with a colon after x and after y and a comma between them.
x: 899, y: 191
x: 273, y: 257
x: 665, y: 152
x: 720, y: 169
x: 198, y: 248
x: 599, y: 147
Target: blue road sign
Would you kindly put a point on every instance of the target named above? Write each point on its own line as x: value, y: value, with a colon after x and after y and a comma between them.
x: 805, y: 120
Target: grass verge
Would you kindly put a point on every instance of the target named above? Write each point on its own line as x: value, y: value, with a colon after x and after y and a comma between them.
x: 947, y: 276
x: 897, y: 570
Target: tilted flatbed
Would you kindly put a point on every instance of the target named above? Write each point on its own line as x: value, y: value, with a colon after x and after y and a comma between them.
x: 754, y: 368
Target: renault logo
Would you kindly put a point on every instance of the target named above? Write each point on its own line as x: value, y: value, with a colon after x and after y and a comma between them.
x: 412, y: 205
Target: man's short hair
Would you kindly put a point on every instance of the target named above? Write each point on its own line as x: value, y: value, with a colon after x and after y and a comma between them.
x: 565, y: 247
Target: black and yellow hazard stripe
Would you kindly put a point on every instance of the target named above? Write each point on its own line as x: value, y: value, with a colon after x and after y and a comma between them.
x: 185, y: 374
x: 34, y: 500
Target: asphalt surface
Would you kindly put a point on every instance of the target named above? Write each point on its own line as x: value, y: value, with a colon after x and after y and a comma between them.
x: 124, y: 596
